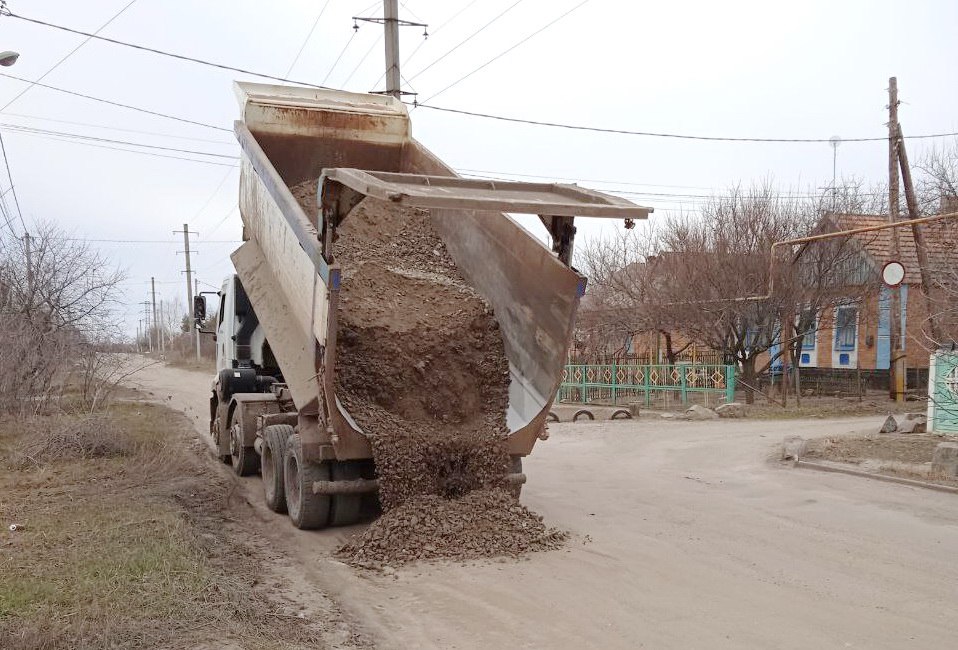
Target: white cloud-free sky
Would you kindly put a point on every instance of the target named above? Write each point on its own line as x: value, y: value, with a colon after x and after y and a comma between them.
x: 737, y: 68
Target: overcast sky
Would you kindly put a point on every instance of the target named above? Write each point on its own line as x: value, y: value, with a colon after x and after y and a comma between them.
x: 739, y: 69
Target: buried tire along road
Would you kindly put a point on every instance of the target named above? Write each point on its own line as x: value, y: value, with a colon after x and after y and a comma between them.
x: 695, y: 538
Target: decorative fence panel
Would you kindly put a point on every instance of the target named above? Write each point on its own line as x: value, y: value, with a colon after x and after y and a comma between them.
x: 647, y: 384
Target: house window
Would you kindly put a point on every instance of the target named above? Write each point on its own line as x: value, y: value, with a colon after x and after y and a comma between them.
x: 808, y: 340
x: 846, y: 328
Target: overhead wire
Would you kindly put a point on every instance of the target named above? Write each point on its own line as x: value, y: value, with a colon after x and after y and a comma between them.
x: 306, y: 40
x: 13, y: 187
x: 118, y: 104
x: 181, y: 57
x: 341, y: 53
x: 93, y: 138
x: 363, y: 60
x: 504, y: 52
x: 68, y: 55
x: 122, y: 130
x: 470, y: 37
x: 113, y: 148
x: 654, y: 134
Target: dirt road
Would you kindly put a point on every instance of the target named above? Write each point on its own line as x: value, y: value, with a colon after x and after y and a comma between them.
x: 686, y: 535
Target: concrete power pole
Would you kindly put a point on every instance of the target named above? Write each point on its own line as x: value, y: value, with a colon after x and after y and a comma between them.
x: 391, y: 26
x: 897, y: 367
x: 28, y: 252
x: 189, y: 281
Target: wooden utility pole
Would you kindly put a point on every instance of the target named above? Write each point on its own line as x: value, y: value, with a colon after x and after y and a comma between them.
x: 911, y: 199
x: 897, y: 364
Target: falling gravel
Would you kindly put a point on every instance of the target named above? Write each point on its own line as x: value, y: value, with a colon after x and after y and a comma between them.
x: 422, y: 369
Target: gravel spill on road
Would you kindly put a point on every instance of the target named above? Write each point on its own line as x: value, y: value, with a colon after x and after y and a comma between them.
x: 422, y: 369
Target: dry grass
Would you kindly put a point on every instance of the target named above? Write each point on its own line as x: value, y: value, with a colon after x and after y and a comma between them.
x: 907, y: 455
x: 126, y: 541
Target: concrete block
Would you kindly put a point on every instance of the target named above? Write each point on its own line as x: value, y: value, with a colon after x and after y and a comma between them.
x: 793, y: 447
x: 698, y: 412
x: 944, y: 462
x: 731, y: 410
x: 905, y: 423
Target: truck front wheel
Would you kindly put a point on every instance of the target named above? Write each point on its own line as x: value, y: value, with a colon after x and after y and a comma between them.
x: 307, y: 510
x: 275, y: 438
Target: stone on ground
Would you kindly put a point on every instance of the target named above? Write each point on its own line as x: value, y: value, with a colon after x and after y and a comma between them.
x: 731, y: 410
x: 944, y: 462
x: 699, y: 412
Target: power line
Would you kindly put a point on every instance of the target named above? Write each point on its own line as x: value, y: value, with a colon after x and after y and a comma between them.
x: 583, y: 180
x: 172, y: 55
x: 68, y: 55
x: 214, y: 193
x: 93, y: 138
x: 149, y: 241
x: 363, y: 60
x: 341, y: 53
x: 118, y: 104
x: 13, y: 187
x: 652, y: 134
x: 503, y: 53
x: 137, y: 151
x: 306, y: 40
x: 468, y: 38
x: 123, y: 130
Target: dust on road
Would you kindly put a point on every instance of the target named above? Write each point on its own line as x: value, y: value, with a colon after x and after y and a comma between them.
x: 685, y: 535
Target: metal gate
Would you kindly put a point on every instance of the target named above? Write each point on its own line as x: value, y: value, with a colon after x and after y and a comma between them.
x: 943, y: 392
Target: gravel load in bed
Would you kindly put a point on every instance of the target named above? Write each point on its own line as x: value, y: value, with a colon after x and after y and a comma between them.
x: 422, y: 369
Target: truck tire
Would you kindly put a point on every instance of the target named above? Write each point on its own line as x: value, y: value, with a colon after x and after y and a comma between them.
x: 275, y: 438
x: 307, y: 511
x: 345, y: 508
x: 245, y: 459
x: 515, y: 467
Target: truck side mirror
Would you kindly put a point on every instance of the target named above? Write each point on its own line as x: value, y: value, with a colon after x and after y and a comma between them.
x: 199, y: 308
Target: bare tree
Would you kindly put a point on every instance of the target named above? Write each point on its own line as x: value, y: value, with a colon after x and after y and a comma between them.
x: 711, y: 277
x: 57, y: 311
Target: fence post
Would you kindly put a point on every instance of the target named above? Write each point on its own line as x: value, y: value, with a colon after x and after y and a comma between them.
x: 615, y: 392
x: 685, y: 394
x: 645, y: 386
x: 729, y: 383
x: 582, y: 397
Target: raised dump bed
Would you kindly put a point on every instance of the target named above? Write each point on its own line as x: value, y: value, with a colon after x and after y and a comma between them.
x: 287, y: 286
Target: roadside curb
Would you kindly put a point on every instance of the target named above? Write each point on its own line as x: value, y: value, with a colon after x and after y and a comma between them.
x: 835, y: 469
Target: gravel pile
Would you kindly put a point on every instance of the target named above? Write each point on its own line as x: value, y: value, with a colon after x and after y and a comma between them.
x: 480, y: 524
x: 422, y: 369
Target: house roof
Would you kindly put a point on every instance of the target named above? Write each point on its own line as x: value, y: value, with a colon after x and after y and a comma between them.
x: 941, y: 243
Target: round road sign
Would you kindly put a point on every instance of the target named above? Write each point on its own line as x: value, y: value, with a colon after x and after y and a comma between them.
x: 893, y: 273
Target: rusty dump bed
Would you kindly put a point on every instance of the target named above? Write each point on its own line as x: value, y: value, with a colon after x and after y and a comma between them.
x: 361, y: 146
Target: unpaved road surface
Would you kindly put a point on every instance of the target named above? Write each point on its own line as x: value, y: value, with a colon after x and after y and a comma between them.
x: 685, y: 535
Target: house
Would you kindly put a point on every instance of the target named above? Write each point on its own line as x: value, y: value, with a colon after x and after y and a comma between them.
x: 857, y: 336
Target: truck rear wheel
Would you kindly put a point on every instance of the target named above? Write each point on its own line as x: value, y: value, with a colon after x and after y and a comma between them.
x: 307, y: 510
x: 245, y: 460
x: 345, y: 507
x: 275, y: 438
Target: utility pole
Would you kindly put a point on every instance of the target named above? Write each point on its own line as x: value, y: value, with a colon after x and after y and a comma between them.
x: 911, y: 200
x: 189, y: 281
x: 155, y: 320
x: 28, y: 252
x: 146, y: 320
x: 897, y: 367
x: 391, y: 26
x: 139, y: 327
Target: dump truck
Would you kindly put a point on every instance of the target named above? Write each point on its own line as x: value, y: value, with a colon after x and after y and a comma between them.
x: 276, y: 327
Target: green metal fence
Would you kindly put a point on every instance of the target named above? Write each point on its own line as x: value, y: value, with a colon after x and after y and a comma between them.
x: 621, y: 383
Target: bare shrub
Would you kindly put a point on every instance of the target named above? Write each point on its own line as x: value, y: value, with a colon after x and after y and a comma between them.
x: 46, y: 440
